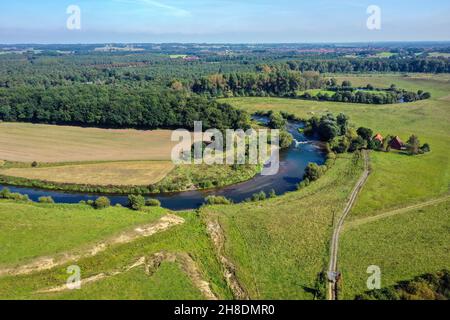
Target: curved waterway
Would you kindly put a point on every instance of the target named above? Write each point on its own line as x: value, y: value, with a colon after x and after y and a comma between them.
x: 293, y: 162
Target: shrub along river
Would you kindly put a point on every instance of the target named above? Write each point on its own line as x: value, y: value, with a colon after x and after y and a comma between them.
x: 293, y: 162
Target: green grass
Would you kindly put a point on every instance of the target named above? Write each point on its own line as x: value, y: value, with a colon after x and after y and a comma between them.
x: 385, y: 54
x: 190, y: 237
x: 280, y: 246
x: 208, y: 176
x: 403, y: 246
x: 168, y: 283
x: 439, y: 54
x: 396, y: 179
x: 315, y: 92
x: 29, y: 230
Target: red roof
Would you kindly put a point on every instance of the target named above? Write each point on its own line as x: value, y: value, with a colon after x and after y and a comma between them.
x: 378, y: 137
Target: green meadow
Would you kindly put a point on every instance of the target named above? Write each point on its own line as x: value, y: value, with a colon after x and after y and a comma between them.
x: 190, y: 238
x: 403, y: 246
x: 279, y: 246
x: 30, y: 230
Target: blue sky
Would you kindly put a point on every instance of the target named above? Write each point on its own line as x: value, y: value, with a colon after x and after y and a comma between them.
x: 255, y: 21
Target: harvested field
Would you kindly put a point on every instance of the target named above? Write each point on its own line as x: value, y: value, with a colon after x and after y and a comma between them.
x: 27, y: 142
x: 123, y: 173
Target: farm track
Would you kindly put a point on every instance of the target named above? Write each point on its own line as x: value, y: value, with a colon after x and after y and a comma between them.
x: 332, y: 287
x: 395, y: 212
x: 151, y: 265
x: 46, y: 263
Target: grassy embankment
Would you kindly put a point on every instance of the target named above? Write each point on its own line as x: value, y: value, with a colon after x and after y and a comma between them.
x: 280, y: 246
x: 33, y: 230
x: 397, y: 180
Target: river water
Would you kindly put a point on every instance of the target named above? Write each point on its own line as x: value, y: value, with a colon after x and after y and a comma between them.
x: 293, y: 162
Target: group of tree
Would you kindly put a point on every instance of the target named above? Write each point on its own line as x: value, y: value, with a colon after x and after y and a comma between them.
x: 341, y: 137
x: 278, y: 121
x: 117, y: 107
x: 364, y: 65
x: 327, y: 127
x: 266, y: 83
x: 367, y: 95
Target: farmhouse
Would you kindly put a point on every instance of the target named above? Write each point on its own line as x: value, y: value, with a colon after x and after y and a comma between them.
x: 396, y: 143
x: 378, y: 137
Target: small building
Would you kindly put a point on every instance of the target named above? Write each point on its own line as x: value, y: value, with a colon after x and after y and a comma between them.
x: 396, y: 143
x: 378, y: 137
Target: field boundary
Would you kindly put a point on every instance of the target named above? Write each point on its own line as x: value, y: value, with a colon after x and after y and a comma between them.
x: 358, y: 222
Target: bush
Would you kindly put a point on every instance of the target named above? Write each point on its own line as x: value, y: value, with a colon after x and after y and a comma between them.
x: 303, y: 184
x: 313, y: 172
x: 286, y: 139
x: 34, y: 164
x: 136, y: 202
x: 425, y: 148
x: 46, y: 200
x: 212, y: 200
x: 4, y: 193
x: 357, y: 144
x: 153, y: 203
x: 272, y: 194
x: 260, y: 196
x: 90, y: 202
x: 365, y: 133
x: 102, y: 203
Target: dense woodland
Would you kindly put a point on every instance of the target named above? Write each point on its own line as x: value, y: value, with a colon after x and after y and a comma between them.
x: 268, y: 83
x: 153, y: 89
x: 118, y: 107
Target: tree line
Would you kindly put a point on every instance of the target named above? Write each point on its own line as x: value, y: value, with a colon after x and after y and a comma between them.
x: 267, y: 83
x: 118, y: 107
x: 367, y: 95
x: 361, y: 65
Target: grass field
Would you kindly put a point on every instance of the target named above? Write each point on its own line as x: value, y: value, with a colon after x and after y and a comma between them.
x: 403, y: 246
x: 168, y: 282
x: 439, y: 54
x: 396, y: 181
x: 29, y: 230
x: 102, y: 174
x: 280, y: 246
x: 27, y: 142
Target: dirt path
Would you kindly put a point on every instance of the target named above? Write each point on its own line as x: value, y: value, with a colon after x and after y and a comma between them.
x: 407, y: 209
x: 151, y: 265
x: 229, y: 270
x: 45, y: 263
x: 332, y: 287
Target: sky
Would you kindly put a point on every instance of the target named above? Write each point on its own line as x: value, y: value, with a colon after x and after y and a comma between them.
x: 223, y: 21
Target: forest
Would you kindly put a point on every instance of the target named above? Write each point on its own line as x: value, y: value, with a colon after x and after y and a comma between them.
x: 117, y: 107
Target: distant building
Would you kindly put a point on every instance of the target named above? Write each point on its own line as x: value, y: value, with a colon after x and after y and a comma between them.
x: 378, y: 137
x: 396, y: 143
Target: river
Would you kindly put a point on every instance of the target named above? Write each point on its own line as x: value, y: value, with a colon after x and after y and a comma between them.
x: 293, y: 162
